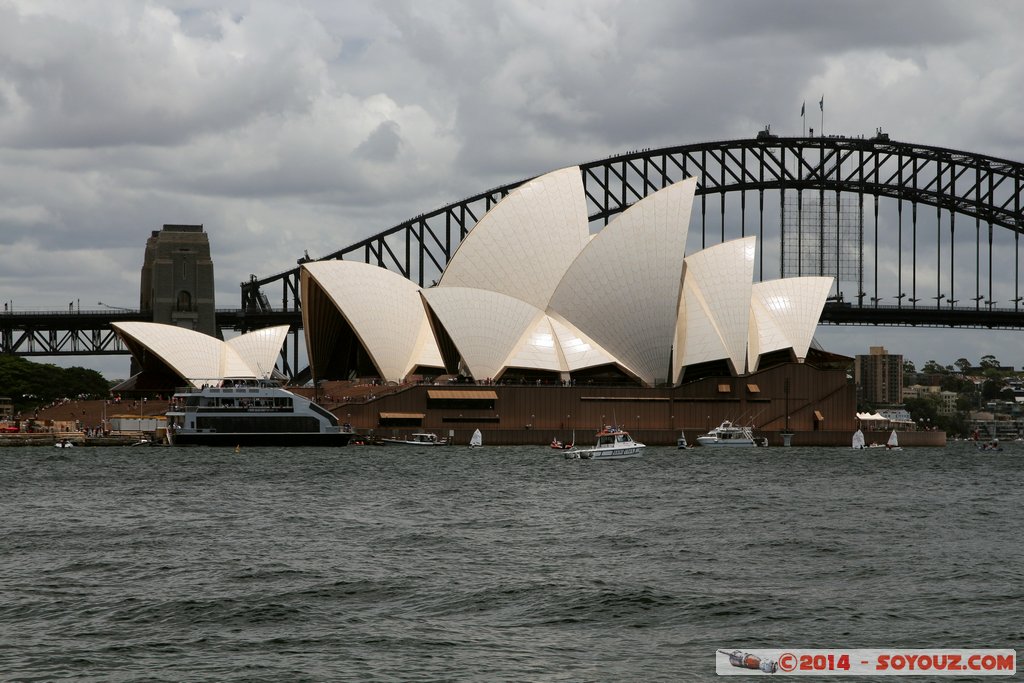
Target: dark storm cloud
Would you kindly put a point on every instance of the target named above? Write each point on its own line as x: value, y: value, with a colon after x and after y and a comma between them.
x: 382, y: 144
x: 833, y: 27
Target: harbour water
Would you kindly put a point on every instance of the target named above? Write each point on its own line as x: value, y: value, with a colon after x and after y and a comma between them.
x: 511, y: 563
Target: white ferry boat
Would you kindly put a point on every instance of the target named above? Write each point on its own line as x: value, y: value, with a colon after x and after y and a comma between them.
x: 612, y: 444
x: 250, y: 413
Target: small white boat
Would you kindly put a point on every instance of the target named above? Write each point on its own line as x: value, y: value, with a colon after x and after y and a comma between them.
x: 681, y: 441
x: 64, y: 443
x: 728, y: 434
x: 893, y: 444
x: 418, y: 439
x: 477, y: 440
x: 612, y: 444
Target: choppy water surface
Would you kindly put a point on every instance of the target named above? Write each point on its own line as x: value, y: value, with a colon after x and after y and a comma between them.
x: 383, y: 564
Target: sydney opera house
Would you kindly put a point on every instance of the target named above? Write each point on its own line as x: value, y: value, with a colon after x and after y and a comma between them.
x: 538, y: 324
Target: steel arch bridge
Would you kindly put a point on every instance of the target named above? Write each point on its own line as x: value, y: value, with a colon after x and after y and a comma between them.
x: 937, y: 234
x: 937, y: 230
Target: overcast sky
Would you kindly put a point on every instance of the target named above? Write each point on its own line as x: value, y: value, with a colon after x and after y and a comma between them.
x: 292, y: 126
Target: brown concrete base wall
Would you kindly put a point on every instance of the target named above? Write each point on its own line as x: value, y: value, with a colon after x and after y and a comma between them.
x: 805, y: 399
x: 910, y: 439
x: 664, y: 437
x: 40, y: 438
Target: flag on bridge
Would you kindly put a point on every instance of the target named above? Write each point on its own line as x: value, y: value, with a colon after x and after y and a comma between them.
x: 802, y: 106
x: 821, y: 104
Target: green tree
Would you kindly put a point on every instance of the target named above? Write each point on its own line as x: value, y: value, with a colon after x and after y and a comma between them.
x: 29, y: 384
x: 963, y: 365
x: 958, y: 384
x: 925, y: 408
x: 995, y: 388
x: 909, y: 373
x: 989, y: 361
x: 954, y: 424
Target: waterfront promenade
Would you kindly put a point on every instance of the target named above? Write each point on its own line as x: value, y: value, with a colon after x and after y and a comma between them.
x: 362, y: 406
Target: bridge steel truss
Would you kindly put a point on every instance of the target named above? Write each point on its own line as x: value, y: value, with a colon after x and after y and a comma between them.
x: 71, y: 333
x: 942, y: 197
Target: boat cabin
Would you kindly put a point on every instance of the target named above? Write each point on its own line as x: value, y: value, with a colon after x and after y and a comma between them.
x: 610, y: 436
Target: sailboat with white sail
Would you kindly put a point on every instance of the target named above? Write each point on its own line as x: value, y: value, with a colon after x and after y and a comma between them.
x: 477, y: 440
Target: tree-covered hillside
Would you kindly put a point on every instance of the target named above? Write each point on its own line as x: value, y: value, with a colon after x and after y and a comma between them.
x: 30, y: 384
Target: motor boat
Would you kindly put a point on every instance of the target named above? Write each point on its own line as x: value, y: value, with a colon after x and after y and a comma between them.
x: 729, y: 434
x: 418, y: 439
x: 612, y: 444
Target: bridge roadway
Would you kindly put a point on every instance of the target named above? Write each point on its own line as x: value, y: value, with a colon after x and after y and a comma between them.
x: 88, y: 333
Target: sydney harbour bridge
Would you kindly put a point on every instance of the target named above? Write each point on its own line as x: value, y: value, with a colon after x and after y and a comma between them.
x: 915, y: 235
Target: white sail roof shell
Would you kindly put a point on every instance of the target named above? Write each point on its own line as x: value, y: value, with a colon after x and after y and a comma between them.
x: 623, y: 289
x: 714, y: 310
x: 557, y: 346
x: 538, y: 349
x: 202, y: 359
x: 530, y: 288
x: 486, y: 327
x: 523, y: 245
x: 784, y: 314
x: 385, y: 311
x: 577, y: 349
x: 260, y: 349
x: 494, y: 332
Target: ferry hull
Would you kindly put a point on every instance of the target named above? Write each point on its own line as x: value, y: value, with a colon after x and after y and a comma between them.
x: 735, y: 443
x: 260, y: 439
x: 607, y: 454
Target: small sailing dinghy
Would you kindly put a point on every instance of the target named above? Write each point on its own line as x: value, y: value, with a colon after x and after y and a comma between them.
x: 858, y: 439
x: 893, y: 444
x: 477, y: 440
x: 681, y: 442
